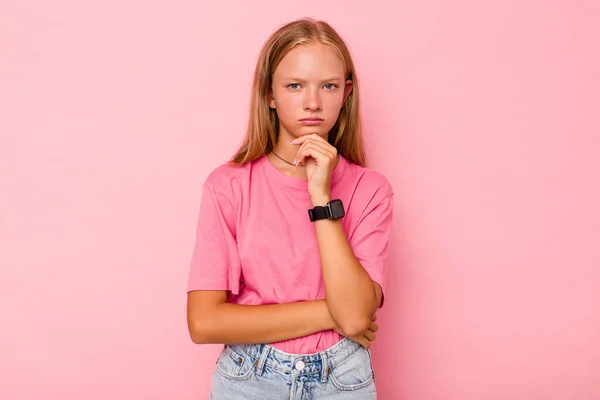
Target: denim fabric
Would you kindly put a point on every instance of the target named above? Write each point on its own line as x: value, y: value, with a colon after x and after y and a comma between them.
x: 248, y: 372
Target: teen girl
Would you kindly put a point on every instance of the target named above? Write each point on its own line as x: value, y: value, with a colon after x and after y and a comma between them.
x: 290, y: 259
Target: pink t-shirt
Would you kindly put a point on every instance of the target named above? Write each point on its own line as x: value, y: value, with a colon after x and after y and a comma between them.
x: 254, y: 237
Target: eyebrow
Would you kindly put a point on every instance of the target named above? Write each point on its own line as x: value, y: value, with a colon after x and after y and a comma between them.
x: 291, y: 78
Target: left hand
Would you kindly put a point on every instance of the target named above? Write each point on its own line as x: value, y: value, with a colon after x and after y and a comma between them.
x: 366, y: 337
x: 320, y: 159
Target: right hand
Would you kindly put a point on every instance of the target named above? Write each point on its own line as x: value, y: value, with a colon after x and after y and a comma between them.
x: 366, y: 337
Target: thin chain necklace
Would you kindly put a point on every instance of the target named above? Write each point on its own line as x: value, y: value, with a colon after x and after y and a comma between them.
x: 285, y: 161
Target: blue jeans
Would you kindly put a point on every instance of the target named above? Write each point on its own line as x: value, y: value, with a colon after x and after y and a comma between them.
x: 248, y: 372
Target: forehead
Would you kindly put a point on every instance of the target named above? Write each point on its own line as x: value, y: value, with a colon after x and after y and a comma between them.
x: 310, y: 60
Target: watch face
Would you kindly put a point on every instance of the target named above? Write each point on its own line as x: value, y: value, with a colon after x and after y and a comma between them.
x: 337, y: 209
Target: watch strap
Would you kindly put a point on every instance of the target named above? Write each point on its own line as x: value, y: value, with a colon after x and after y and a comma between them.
x: 317, y: 213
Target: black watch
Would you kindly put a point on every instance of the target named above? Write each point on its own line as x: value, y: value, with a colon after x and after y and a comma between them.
x: 333, y: 210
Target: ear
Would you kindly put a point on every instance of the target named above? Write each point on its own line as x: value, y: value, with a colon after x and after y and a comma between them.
x: 347, y: 89
x: 271, y: 99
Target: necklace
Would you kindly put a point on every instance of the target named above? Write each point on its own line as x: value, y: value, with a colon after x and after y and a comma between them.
x: 285, y: 161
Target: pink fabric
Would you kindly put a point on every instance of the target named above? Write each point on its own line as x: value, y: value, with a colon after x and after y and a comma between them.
x: 254, y: 237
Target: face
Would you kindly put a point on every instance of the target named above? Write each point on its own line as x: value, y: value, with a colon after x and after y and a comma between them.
x: 309, y: 90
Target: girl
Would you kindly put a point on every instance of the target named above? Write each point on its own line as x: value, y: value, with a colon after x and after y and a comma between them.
x: 290, y: 259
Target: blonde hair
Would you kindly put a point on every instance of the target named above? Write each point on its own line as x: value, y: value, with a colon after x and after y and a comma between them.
x: 263, y: 123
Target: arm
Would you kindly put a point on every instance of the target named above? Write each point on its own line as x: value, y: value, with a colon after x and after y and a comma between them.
x: 212, y: 320
x: 352, y: 297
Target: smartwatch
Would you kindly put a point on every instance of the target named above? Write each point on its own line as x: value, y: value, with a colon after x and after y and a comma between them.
x: 333, y: 210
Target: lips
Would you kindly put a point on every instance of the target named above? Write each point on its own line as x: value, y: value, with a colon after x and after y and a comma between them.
x: 312, y: 121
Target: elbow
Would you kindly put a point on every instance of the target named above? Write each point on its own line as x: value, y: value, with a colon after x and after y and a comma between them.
x: 199, y: 332
x: 202, y: 318
x: 196, y: 334
x: 355, y: 326
x: 198, y: 338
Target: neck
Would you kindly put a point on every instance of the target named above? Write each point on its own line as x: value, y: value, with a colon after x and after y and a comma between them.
x: 284, y: 149
x: 287, y: 151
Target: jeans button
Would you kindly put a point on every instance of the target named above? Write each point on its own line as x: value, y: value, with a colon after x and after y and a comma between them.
x: 300, y: 365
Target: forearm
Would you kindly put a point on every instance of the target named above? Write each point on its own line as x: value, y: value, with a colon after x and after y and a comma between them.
x: 245, y: 324
x: 351, y: 295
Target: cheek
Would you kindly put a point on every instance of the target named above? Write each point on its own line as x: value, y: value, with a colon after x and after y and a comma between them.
x: 333, y: 104
x: 288, y: 105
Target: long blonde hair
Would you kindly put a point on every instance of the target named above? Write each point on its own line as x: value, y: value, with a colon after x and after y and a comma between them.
x: 263, y: 123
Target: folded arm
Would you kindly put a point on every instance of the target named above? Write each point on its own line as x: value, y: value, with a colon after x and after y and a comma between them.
x: 211, y: 319
x: 352, y: 297
x: 353, y: 294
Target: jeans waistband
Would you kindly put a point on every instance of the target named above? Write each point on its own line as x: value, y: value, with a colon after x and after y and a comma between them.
x: 300, y: 364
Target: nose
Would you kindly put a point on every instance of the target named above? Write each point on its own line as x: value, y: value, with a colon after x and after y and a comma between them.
x: 312, y: 100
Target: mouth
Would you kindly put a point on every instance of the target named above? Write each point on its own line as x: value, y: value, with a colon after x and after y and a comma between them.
x: 311, y: 121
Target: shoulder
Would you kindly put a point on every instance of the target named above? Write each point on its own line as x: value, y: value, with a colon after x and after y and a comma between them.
x: 225, y: 176
x: 370, y: 183
x: 228, y: 182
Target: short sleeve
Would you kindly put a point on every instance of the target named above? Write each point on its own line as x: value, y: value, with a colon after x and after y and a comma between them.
x: 369, y: 240
x: 215, y: 261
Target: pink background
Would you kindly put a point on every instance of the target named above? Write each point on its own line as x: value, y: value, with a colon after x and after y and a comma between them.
x: 481, y: 113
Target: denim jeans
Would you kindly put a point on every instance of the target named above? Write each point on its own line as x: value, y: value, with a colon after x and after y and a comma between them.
x: 248, y: 372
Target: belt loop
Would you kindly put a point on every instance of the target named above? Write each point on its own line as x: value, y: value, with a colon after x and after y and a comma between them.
x: 324, y: 367
x: 263, y: 358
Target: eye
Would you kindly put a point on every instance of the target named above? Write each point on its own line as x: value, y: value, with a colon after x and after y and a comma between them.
x: 330, y: 86
x: 294, y: 86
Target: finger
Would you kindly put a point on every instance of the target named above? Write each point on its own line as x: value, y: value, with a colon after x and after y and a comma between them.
x: 321, y: 143
x: 318, y: 154
x: 325, y: 148
x: 303, y: 138
x: 360, y: 339
x: 363, y: 341
x: 370, y: 335
x: 323, y: 157
x: 374, y: 327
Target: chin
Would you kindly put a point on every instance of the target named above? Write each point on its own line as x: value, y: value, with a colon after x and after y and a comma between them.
x: 304, y: 132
